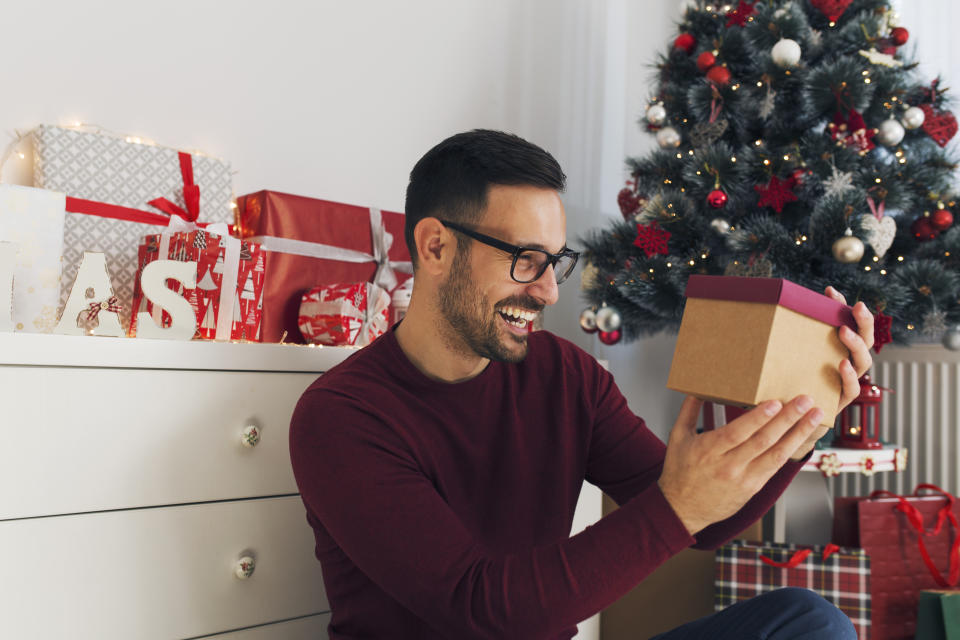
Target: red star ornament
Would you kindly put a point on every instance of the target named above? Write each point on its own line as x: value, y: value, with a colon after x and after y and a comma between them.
x: 881, y: 331
x: 652, y: 239
x: 776, y: 194
x: 741, y: 14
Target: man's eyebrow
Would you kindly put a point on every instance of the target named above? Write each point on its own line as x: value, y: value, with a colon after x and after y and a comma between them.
x: 537, y: 245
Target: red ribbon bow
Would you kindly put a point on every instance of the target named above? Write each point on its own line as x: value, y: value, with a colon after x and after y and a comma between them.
x: 108, y: 305
x: 915, y: 519
x: 799, y: 556
x: 191, y: 193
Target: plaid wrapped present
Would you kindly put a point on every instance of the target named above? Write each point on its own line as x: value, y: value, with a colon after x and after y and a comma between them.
x: 841, y: 575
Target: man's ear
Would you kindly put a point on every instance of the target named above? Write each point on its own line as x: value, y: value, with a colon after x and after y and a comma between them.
x: 436, y: 246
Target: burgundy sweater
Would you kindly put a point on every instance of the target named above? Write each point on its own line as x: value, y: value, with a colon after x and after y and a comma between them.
x: 444, y: 510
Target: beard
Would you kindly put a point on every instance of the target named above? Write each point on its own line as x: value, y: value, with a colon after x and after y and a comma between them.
x: 472, y: 321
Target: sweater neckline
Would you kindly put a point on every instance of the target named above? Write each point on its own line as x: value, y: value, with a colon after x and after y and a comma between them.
x: 407, y: 371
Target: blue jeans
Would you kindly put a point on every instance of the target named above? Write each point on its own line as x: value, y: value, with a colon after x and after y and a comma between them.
x: 790, y: 613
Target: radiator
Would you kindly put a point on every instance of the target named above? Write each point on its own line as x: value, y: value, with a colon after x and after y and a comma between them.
x: 922, y: 414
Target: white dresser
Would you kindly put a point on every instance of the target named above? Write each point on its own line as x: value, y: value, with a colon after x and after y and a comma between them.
x: 130, y: 492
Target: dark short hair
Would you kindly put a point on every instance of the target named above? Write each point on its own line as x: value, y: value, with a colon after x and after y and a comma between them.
x: 452, y: 179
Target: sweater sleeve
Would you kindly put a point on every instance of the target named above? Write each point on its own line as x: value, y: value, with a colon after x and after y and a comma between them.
x: 362, y: 482
x: 626, y: 460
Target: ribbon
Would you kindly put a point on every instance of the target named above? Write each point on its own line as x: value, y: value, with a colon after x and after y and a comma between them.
x: 191, y: 193
x: 716, y: 103
x: 109, y: 304
x: 874, y: 209
x: 915, y: 520
x: 373, y: 320
x: 382, y: 240
x: 799, y: 556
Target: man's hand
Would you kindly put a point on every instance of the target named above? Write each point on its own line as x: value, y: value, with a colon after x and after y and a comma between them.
x: 708, y: 477
x: 852, y: 369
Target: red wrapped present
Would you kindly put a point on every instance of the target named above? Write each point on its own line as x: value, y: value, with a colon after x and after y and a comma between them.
x: 344, y: 314
x: 310, y: 242
x: 841, y: 575
x: 230, y: 283
x: 914, y: 544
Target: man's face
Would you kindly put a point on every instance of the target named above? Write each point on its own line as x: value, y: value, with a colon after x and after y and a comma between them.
x: 489, y: 313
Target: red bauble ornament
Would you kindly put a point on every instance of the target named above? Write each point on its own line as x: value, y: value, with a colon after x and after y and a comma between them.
x: 717, y: 199
x: 610, y: 337
x: 899, y: 35
x: 798, y: 175
x: 923, y: 230
x: 685, y: 42
x: 941, y: 219
x: 719, y: 76
x: 706, y: 60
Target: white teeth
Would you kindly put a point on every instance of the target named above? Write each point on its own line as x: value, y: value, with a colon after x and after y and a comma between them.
x: 521, y: 316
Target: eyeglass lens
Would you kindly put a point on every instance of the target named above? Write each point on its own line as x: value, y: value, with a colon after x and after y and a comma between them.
x: 530, y: 265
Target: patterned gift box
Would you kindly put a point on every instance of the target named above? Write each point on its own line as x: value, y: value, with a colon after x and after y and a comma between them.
x: 311, y: 242
x: 230, y: 277
x: 344, y: 314
x: 33, y: 220
x: 107, y: 169
x: 841, y: 575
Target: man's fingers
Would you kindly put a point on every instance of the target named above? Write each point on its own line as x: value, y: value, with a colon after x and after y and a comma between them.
x: 736, y: 432
x: 864, y: 324
x: 836, y: 295
x: 851, y: 383
x: 774, y: 429
x: 793, y: 439
x: 686, y: 424
x: 859, y: 351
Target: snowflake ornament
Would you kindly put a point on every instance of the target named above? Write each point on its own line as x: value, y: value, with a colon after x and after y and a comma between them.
x: 776, y: 194
x: 934, y: 324
x: 830, y: 465
x: 883, y: 59
x: 838, y: 183
x: 652, y: 239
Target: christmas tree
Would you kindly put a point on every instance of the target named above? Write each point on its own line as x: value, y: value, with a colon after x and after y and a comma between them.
x: 796, y: 140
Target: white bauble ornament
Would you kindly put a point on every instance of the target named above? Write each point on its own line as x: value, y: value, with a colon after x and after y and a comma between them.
x: 588, y: 320
x: 913, y: 118
x: 786, y: 53
x: 656, y: 114
x: 951, y: 339
x: 608, y: 319
x: 720, y: 225
x: 668, y: 138
x: 848, y: 249
x: 890, y: 133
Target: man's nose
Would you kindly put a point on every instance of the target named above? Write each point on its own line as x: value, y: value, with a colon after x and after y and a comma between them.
x: 545, y: 287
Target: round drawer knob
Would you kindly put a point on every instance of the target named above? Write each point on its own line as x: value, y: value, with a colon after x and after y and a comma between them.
x: 250, y: 436
x: 244, y: 567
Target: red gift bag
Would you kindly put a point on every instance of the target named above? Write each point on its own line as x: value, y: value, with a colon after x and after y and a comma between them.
x: 913, y: 544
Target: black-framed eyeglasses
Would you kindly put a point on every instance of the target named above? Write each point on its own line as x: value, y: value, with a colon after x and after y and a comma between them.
x: 528, y: 263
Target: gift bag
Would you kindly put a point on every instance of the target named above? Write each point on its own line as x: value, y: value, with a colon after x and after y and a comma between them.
x: 841, y: 575
x: 913, y: 544
x: 938, y: 615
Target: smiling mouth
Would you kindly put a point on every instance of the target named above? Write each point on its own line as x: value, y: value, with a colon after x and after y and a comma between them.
x: 516, y: 317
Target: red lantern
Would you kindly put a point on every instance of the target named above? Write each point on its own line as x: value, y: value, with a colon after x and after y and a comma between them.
x: 860, y: 421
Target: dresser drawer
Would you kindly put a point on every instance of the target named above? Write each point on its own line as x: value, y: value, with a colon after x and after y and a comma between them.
x: 158, y: 573
x: 86, y: 439
x: 309, y: 628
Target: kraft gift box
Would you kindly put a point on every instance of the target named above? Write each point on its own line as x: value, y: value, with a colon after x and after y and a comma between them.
x: 744, y: 340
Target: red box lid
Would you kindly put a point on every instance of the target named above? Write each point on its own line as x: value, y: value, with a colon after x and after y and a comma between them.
x: 772, y: 291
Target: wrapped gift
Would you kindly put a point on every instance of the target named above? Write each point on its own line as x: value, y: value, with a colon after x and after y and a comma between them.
x: 746, y: 340
x: 841, y: 575
x: 311, y: 243
x: 913, y: 545
x: 230, y: 282
x: 33, y: 220
x: 111, y: 182
x: 344, y: 314
x: 938, y: 615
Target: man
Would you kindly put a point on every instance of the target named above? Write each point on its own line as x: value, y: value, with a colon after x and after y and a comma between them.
x: 440, y: 466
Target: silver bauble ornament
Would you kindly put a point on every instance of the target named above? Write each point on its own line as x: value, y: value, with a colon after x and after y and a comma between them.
x: 848, y: 249
x: 588, y: 320
x: 668, y: 138
x: 913, y: 118
x: 951, y: 339
x: 608, y: 319
x: 890, y: 133
x: 720, y: 225
x: 656, y: 114
x: 786, y: 53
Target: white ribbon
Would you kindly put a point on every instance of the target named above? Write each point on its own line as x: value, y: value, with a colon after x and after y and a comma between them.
x: 231, y: 269
x: 382, y: 240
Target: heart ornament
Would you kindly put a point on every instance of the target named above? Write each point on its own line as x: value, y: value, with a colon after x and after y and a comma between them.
x: 939, y: 126
x: 880, y: 232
